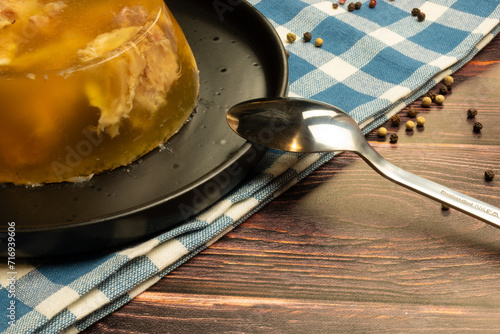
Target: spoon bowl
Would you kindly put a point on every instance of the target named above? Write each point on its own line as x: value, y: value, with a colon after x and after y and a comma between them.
x: 295, y: 125
x: 306, y: 126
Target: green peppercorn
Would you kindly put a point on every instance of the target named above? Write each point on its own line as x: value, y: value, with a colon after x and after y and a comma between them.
x: 489, y: 175
x: 477, y: 127
x: 439, y: 99
x: 412, y: 112
x: 393, y: 139
x: 443, y: 90
x: 471, y: 113
x: 415, y: 11
x: 291, y: 37
x: 307, y: 37
x: 421, y: 16
x: 396, y: 120
x: 357, y: 5
x: 426, y: 102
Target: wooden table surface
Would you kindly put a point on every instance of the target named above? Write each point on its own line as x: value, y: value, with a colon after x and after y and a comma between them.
x: 349, y: 251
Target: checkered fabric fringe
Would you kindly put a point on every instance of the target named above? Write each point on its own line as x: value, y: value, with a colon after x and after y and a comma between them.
x: 374, y: 61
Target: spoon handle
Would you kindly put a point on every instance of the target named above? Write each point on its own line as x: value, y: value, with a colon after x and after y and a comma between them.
x: 454, y: 199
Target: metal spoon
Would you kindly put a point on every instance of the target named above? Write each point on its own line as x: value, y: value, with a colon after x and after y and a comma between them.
x: 299, y: 125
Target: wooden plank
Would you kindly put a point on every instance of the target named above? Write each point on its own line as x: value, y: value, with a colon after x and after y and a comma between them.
x: 176, y: 313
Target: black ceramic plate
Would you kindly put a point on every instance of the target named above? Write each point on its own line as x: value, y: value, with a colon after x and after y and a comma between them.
x: 240, y: 57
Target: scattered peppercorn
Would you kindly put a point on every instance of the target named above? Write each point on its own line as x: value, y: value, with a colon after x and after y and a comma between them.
x: 443, y: 90
x: 410, y: 125
x: 489, y: 175
x: 335, y: 5
x: 396, y: 120
x: 445, y: 207
x: 318, y: 42
x: 372, y: 3
x: 351, y: 7
x: 426, y: 101
x: 342, y: 2
x: 357, y: 5
x: 393, y: 139
x: 287, y: 53
x: 421, y: 16
x: 420, y: 121
x: 432, y: 95
x: 291, y: 37
x: 307, y: 37
x: 471, y: 113
x: 412, y: 112
x: 382, y: 132
x: 415, y: 11
x: 477, y: 127
x: 439, y: 99
x: 448, y: 81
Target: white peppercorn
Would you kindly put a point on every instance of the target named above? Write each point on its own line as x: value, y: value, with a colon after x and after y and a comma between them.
x: 420, y: 121
x: 382, y: 132
x: 426, y: 101
x: 439, y: 99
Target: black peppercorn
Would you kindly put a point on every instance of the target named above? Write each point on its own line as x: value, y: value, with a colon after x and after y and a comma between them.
x: 445, y: 207
x: 471, y: 113
x: 357, y: 5
x: 415, y: 11
x: 477, y: 127
x: 489, y: 175
x: 396, y: 120
x: 307, y: 37
x: 421, y: 16
x: 443, y: 90
x: 393, y: 139
x: 350, y: 7
x: 335, y: 5
x: 432, y: 95
x: 412, y: 112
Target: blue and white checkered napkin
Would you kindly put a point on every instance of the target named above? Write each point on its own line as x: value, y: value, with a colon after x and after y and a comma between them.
x: 374, y: 61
